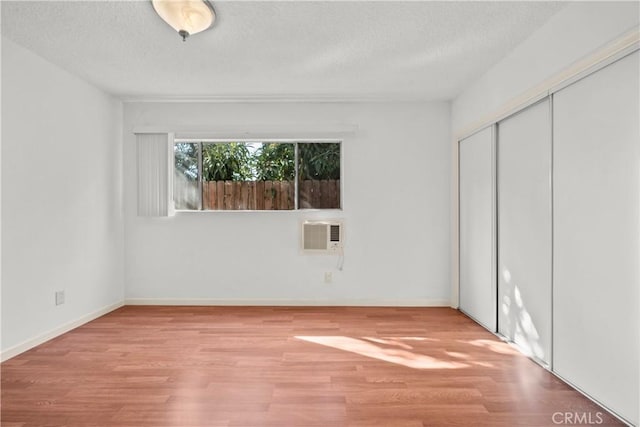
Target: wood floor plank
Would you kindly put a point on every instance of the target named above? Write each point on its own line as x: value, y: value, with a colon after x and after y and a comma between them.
x: 282, y: 366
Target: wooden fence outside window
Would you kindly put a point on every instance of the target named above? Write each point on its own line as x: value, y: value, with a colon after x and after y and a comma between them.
x: 270, y: 195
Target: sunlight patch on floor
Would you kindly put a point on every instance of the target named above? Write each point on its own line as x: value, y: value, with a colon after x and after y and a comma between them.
x: 366, y: 347
x: 495, y: 346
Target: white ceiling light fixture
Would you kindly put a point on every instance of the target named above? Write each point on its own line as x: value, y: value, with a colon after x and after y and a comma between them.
x: 187, y: 17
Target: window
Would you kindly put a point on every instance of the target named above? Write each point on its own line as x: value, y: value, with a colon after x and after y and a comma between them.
x: 256, y: 175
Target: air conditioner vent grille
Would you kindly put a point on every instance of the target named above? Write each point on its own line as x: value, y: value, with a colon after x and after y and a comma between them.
x: 335, y: 233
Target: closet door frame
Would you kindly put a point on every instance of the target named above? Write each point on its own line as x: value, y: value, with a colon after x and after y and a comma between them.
x: 612, y: 52
x: 555, y: 85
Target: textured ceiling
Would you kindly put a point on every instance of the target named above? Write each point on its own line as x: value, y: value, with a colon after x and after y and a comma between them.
x: 418, y: 50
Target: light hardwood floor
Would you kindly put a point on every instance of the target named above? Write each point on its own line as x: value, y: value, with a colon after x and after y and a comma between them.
x: 283, y: 366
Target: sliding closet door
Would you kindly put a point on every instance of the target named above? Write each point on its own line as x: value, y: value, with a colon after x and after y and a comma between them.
x: 524, y: 230
x: 477, y: 228
x: 597, y: 235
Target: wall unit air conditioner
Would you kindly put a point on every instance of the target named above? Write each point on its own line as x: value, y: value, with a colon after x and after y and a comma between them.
x: 322, y: 237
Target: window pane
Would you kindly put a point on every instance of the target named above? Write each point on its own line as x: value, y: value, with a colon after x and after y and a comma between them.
x: 248, y: 176
x: 241, y: 175
x: 185, y: 176
x: 319, y: 175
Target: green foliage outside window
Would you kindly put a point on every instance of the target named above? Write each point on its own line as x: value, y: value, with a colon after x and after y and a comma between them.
x: 239, y: 161
x: 275, y: 162
x: 319, y: 161
x: 227, y: 162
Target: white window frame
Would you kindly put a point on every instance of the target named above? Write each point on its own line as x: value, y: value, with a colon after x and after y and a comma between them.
x: 176, y: 140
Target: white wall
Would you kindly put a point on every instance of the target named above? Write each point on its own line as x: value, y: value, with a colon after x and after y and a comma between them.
x: 62, y: 226
x: 570, y: 35
x: 396, y: 211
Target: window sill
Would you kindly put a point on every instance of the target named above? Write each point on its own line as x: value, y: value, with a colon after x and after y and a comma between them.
x: 189, y: 212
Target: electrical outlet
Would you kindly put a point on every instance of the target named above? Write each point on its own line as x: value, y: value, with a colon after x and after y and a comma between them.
x: 59, y: 297
x: 328, y: 277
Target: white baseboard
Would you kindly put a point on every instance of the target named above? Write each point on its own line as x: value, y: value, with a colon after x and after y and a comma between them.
x: 42, y: 338
x: 291, y: 302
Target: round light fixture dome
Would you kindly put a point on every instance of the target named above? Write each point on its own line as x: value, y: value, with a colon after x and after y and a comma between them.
x: 187, y: 17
